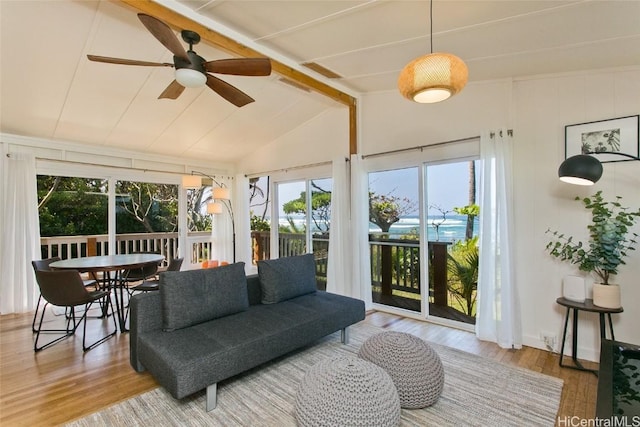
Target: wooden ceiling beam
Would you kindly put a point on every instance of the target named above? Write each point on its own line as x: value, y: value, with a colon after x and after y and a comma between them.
x: 179, y: 22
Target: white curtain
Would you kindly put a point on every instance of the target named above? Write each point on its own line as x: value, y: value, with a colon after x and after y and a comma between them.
x: 498, y: 316
x: 20, y: 233
x: 360, y: 231
x: 241, y: 217
x: 338, y: 269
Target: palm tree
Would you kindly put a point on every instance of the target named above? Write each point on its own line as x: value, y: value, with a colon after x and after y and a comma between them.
x: 463, y: 265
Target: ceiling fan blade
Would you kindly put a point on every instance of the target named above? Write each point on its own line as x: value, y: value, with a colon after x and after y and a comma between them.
x: 122, y: 61
x: 240, y: 66
x: 173, y: 91
x: 164, y: 34
x: 228, y: 92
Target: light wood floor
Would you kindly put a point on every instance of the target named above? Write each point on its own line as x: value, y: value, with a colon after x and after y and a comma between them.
x: 60, y: 384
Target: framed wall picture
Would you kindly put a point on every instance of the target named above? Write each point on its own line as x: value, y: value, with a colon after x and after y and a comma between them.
x: 613, y: 135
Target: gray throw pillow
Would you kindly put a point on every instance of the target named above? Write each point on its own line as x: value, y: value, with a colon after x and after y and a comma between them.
x: 285, y: 278
x: 196, y: 296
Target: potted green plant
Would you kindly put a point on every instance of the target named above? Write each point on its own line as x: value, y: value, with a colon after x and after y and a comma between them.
x: 610, y: 240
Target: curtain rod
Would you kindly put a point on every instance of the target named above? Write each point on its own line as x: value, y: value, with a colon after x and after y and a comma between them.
x: 421, y: 147
x: 311, y: 165
x: 75, y: 162
x: 493, y: 134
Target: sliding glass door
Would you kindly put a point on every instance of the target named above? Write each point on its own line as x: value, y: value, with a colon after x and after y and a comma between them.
x: 452, y: 235
x: 394, y: 238
x: 423, y: 239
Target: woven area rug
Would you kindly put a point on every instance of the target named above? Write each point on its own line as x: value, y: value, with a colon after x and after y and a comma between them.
x: 477, y: 392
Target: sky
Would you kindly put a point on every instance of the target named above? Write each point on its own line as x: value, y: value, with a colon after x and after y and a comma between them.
x: 447, y: 185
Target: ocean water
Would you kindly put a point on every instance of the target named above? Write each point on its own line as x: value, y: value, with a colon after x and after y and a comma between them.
x: 451, y: 230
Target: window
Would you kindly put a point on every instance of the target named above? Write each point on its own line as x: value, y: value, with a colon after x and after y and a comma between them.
x: 73, y: 216
x: 299, y: 224
x: 147, y: 218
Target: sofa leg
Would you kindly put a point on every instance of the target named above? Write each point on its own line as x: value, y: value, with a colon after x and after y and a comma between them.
x: 344, y: 335
x: 211, y: 397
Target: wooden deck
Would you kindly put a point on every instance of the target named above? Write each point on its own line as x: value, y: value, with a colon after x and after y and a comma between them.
x: 414, y: 305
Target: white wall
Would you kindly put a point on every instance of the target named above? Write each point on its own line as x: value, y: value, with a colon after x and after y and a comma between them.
x: 321, y: 139
x: 543, y: 107
x: 390, y: 122
x: 537, y: 109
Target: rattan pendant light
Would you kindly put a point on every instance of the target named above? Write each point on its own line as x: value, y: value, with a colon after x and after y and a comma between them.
x: 433, y: 77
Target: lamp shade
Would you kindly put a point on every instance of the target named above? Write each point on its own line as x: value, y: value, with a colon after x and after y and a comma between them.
x: 581, y: 169
x: 433, y: 78
x: 190, y: 78
x: 214, y: 208
x: 221, y: 193
x: 191, y: 181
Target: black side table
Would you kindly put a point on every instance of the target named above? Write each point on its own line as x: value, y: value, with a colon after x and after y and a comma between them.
x: 587, y: 305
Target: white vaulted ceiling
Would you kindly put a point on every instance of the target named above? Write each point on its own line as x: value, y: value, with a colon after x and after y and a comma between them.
x: 50, y: 90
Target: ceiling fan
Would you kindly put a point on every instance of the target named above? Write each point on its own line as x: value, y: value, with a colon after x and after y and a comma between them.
x: 191, y: 69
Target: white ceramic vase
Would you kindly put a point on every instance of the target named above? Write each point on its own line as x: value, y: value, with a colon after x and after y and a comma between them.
x: 606, y: 296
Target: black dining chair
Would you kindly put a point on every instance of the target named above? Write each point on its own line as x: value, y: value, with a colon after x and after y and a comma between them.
x: 152, y: 285
x: 65, y: 288
x: 45, y: 265
x: 140, y: 274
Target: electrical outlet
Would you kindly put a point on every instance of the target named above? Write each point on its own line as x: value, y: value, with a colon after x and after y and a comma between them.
x: 549, y: 340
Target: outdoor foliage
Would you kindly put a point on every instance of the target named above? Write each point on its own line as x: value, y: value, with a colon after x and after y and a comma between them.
x: 72, y: 206
x: 79, y: 206
x: 258, y: 223
x: 386, y: 210
x: 146, y: 208
x: 463, y: 265
x: 197, y: 217
x: 320, y: 209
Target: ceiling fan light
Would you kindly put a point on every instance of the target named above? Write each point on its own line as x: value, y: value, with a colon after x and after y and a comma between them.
x: 190, y: 78
x: 580, y: 170
x: 433, y: 78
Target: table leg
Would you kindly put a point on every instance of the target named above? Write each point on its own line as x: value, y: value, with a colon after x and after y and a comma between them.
x: 104, y: 284
x: 564, y: 335
x: 574, y: 344
x: 120, y: 308
x: 603, y: 327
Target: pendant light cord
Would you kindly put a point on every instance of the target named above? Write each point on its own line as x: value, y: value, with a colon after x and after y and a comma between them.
x: 431, y: 24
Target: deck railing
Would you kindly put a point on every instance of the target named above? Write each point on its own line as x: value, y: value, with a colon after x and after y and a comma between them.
x: 292, y: 244
x: 395, y: 263
x: 395, y: 266
x: 165, y: 244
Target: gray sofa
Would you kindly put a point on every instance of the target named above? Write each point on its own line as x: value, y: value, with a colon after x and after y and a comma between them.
x: 204, y: 326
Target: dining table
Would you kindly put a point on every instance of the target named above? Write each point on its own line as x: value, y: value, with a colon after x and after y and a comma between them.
x: 112, y: 268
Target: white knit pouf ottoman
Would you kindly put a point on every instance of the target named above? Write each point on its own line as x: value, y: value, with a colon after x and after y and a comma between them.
x: 347, y: 391
x: 414, y: 367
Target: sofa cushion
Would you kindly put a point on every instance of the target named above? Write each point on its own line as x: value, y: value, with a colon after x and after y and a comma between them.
x: 196, y: 296
x: 285, y: 278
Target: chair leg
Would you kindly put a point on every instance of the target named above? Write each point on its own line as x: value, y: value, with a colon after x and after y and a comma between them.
x: 35, y: 315
x: 106, y: 337
x: 67, y: 332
